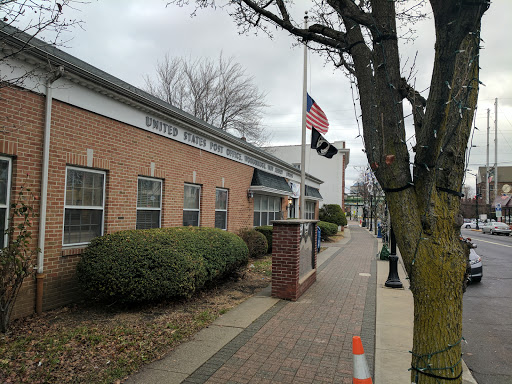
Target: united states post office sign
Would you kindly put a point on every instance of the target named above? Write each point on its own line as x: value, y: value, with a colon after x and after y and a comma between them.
x: 186, y: 137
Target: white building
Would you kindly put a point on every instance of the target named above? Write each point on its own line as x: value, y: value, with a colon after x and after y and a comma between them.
x: 331, y: 171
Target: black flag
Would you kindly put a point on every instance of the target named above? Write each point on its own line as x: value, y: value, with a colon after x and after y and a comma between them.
x: 322, y: 146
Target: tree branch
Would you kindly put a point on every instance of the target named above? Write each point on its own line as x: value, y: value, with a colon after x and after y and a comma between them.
x: 417, y: 102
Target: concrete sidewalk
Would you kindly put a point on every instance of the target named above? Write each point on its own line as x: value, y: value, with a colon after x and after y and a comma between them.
x: 266, y: 340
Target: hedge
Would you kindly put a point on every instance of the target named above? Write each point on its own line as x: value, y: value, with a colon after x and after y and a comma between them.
x: 256, y: 242
x: 156, y: 264
x: 333, y: 213
x: 327, y: 229
x: 266, y: 230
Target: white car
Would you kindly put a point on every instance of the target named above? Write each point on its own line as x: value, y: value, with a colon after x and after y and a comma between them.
x: 471, y: 224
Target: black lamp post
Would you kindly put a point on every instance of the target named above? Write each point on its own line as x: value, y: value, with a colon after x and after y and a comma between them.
x: 393, y: 280
x: 371, y: 213
x: 478, y: 195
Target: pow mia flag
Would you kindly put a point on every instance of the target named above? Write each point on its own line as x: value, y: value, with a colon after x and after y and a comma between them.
x: 322, y: 146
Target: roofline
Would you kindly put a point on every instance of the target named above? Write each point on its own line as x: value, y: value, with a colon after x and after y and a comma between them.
x: 48, y: 53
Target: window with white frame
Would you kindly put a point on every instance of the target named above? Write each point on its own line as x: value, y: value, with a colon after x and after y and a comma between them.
x: 149, y: 203
x: 266, y: 209
x: 5, y: 188
x: 191, y: 205
x: 84, y: 205
x: 310, y: 210
x: 221, y: 208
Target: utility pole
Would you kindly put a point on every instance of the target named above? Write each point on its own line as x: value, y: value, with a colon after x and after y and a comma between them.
x: 487, y: 194
x: 495, y: 149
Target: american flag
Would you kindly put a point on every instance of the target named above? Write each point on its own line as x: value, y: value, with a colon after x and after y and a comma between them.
x: 315, y: 117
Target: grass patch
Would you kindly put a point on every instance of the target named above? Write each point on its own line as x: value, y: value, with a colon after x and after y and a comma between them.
x: 263, y: 266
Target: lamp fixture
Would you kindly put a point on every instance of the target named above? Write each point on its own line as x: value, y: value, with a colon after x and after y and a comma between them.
x: 250, y: 194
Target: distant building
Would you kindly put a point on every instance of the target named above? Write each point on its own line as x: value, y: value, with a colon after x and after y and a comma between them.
x: 331, y: 171
x: 504, y: 182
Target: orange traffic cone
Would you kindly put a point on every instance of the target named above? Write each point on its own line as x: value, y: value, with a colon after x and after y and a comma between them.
x: 361, y: 373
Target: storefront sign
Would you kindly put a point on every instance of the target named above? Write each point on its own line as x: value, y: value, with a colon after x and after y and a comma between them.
x: 198, y: 141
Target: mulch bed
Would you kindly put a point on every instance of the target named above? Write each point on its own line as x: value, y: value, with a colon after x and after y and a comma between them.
x: 86, y: 343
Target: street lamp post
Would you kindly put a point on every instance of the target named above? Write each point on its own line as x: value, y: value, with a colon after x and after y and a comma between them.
x: 393, y: 280
x: 371, y: 214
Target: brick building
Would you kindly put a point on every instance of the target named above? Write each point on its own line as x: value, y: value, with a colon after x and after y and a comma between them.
x: 101, y: 156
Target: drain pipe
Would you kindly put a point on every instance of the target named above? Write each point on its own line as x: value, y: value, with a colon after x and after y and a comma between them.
x: 40, y: 275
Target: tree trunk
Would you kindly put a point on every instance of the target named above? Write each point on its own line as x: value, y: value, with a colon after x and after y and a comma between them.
x: 424, y: 203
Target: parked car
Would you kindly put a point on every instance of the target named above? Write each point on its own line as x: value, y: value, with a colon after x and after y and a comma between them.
x: 471, y: 224
x: 475, y: 268
x: 475, y: 262
x: 496, y: 228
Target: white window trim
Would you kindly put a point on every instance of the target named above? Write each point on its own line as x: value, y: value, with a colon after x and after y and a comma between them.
x: 199, y: 203
x: 223, y: 210
x: 313, y: 203
x: 268, y: 210
x: 7, y: 197
x: 146, y: 208
x: 83, y: 207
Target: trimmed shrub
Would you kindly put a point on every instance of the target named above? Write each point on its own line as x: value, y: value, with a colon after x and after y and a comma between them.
x: 155, y: 264
x: 332, y: 213
x: 327, y: 229
x: 256, y: 242
x: 267, y: 232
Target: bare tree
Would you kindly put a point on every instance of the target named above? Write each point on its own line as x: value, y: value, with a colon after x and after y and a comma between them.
x: 219, y: 93
x: 362, y: 38
x: 27, y: 19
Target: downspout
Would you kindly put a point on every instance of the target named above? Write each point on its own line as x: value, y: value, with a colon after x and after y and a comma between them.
x: 40, y: 275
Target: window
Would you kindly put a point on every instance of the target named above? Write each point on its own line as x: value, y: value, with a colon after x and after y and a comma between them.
x: 84, y: 205
x: 191, y: 204
x: 149, y: 203
x: 5, y: 188
x: 221, y: 208
x: 266, y: 209
x: 310, y: 210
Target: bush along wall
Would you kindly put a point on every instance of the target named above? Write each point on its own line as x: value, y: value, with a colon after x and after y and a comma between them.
x: 333, y: 213
x: 327, y: 229
x: 266, y: 230
x: 156, y: 264
x: 256, y: 242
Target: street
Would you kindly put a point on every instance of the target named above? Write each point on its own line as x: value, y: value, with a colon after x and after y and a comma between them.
x: 487, y: 321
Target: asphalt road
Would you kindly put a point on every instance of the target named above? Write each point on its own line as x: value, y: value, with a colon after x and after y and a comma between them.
x: 487, y: 316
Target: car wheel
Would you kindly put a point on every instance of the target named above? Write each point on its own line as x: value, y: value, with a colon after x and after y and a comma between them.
x: 492, y: 232
x: 468, y: 226
x: 476, y: 279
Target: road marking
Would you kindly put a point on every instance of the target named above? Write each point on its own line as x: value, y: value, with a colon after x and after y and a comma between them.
x: 492, y: 242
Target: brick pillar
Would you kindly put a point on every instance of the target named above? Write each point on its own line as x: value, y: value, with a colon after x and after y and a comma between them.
x: 287, y: 283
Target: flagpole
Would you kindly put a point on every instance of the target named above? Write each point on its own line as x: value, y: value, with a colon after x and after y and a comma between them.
x: 302, y: 204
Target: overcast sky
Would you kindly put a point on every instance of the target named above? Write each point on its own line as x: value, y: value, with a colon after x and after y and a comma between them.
x: 127, y: 38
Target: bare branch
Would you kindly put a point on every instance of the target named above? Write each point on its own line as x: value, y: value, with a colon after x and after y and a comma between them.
x: 219, y: 93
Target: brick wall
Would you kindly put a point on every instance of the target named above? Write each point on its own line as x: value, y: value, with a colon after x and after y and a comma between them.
x: 286, y: 280
x: 124, y: 153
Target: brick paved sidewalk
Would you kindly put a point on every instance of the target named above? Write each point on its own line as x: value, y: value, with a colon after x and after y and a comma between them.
x: 310, y: 340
